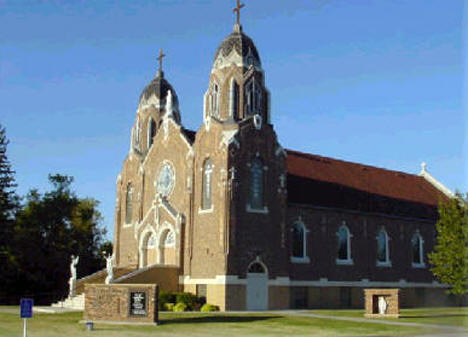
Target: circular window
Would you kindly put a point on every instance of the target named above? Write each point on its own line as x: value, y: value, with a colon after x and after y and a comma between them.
x: 165, y: 181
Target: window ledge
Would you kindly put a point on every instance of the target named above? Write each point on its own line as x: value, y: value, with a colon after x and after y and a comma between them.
x: 387, y: 264
x: 418, y: 265
x: 348, y: 262
x: 127, y: 225
x: 263, y: 210
x: 208, y: 210
x: 295, y: 259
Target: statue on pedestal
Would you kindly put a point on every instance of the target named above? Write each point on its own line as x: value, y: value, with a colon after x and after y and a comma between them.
x: 382, y: 305
x: 72, y: 280
x: 110, y: 268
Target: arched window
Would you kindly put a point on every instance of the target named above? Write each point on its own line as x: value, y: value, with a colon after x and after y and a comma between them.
x: 417, y: 250
x: 299, y: 243
x: 234, y: 99
x: 256, y: 184
x: 344, y: 246
x: 253, y: 98
x: 256, y: 268
x: 129, y: 204
x: 383, y: 253
x: 206, y: 184
x: 151, y: 131
x: 170, y: 239
x: 215, y: 100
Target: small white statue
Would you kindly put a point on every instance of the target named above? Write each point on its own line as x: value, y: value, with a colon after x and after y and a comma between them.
x: 74, y: 262
x: 382, y: 305
x: 110, y: 268
x: 72, y: 280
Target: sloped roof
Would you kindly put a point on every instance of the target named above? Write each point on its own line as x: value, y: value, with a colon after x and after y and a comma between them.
x: 356, y: 186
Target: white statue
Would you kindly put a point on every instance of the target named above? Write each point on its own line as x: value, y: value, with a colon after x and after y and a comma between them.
x: 382, y: 305
x: 110, y: 268
x: 72, y: 281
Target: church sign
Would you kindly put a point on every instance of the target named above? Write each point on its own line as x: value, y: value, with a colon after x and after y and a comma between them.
x: 138, y: 303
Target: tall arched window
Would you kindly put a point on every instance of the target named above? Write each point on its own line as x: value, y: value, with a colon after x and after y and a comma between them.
x: 234, y: 99
x: 151, y: 131
x: 206, y: 184
x: 215, y: 100
x: 383, y: 253
x: 129, y: 204
x: 417, y: 243
x: 256, y: 184
x: 299, y: 243
x: 344, y: 246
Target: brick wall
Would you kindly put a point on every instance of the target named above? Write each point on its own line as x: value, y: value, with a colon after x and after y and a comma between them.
x: 112, y: 303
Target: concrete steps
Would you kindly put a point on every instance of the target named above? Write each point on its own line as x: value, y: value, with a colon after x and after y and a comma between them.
x: 77, y: 302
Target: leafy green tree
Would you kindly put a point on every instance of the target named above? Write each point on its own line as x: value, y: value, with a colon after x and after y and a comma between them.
x: 449, y: 259
x: 9, y: 203
x: 49, y: 229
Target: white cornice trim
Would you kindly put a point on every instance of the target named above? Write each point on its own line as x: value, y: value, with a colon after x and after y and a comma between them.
x: 323, y: 282
x: 437, y: 184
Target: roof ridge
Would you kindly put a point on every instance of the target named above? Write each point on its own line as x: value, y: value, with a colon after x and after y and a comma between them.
x: 353, y: 163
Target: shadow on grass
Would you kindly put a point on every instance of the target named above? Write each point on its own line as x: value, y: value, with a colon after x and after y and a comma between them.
x: 434, y: 316
x: 215, y: 319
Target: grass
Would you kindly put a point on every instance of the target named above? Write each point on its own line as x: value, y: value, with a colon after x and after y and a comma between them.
x: 198, y: 324
x: 454, y: 316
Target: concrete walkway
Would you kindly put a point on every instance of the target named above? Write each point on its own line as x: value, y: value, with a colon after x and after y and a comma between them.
x: 376, y: 321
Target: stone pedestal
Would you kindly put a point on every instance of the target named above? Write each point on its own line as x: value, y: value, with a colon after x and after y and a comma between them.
x: 382, y: 302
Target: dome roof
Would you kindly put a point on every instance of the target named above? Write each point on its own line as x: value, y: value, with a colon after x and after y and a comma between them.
x: 155, y: 94
x: 158, y: 87
x: 240, y: 42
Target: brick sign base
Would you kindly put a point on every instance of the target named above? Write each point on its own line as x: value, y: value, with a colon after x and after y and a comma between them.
x: 126, y: 303
x: 382, y: 302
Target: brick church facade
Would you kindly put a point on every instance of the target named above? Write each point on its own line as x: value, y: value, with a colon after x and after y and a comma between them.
x: 226, y: 212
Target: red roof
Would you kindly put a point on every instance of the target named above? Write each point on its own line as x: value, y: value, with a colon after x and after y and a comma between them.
x: 378, y: 181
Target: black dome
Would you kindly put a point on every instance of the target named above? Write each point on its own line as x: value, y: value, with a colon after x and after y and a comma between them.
x: 159, y: 87
x: 241, y: 42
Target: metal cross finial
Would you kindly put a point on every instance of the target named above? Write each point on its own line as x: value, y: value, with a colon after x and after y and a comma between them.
x: 160, y: 59
x: 237, y: 10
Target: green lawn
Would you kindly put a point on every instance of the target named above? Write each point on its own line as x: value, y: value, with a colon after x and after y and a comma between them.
x: 441, y: 316
x: 196, y: 324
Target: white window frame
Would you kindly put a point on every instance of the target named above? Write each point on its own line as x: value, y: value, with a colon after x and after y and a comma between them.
x: 208, y: 172
x: 422, y: 264
x: 349, y: 259
x: 387, y: 262
x: 304, y: 258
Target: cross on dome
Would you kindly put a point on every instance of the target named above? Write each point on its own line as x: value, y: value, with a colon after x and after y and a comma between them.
x: 160, y: 59
x: 237, y: 11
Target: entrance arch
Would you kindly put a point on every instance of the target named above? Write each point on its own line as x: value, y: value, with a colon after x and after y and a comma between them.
x: 257, y: 286
x: 148, y: 249
x: 166, y: 251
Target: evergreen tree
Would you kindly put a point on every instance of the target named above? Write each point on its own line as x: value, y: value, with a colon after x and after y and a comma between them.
x: 450, y: 256
x: 8, y: 206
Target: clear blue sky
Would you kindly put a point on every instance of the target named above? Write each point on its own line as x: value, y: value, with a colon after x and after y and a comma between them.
x: 378, y: 82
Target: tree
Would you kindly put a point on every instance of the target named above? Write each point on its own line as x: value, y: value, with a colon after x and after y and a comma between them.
x: 50, y: 228
x: 9, y: 203
x: 449, y: 259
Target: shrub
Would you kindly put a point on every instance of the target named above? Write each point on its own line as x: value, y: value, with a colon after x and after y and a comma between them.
x: 169, y: 306
x: 188, y: 299
x: 165, y: 297
x: 179, y: 307
x: 209, y: 307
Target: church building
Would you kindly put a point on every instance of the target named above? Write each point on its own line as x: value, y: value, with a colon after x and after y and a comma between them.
x: 227, y: 213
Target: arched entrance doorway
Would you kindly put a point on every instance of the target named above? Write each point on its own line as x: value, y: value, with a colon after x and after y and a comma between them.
x: 167, y: 253
x: 257, y: 286
x: 148, y: 250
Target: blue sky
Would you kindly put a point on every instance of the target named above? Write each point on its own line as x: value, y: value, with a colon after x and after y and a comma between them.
x: 378, y: 82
